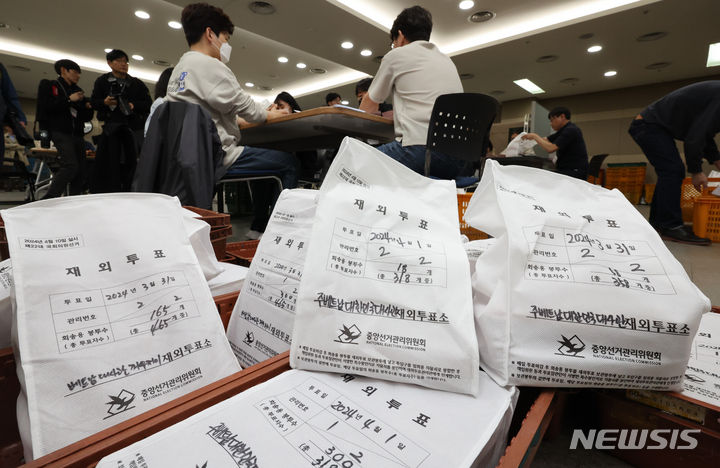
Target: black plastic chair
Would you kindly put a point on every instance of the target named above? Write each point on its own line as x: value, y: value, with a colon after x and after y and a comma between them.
x: 460, y: 126
x: 595, y: 164
x: 17, y: 170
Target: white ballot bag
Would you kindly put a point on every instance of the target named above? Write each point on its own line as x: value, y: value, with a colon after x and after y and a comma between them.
x: 231, y: 280
x: 577, y: 290
x: 386, y: 286
x: 113, y: 315
x: 199, y: 233
x: 5, y: 302
x: 262, y: 321
x: 519, y: 147
x: 702, y: 377
x: 306, y: 419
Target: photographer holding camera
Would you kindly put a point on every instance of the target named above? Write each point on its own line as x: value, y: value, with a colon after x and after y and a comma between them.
x: 63, y: 110
x: 123, y: 103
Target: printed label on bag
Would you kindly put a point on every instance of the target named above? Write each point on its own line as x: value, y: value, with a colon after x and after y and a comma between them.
x: 51, y: 243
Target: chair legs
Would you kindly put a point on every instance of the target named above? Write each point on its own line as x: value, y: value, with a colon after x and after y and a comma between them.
x: 221, y: 187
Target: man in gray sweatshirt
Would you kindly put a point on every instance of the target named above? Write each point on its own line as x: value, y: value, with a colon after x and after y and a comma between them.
x: 201, y: 77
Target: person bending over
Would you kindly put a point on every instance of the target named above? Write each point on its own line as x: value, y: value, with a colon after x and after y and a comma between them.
x: 692, y: 115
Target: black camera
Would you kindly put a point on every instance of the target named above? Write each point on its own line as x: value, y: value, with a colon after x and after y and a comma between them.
x: 117, y: 88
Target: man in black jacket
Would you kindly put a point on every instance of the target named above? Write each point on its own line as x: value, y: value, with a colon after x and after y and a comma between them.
x: 123, y: 103
x: 64, y: 109
x: 692, y: 115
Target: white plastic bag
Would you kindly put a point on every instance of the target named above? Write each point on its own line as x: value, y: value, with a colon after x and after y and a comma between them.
x: 199, y: 233
x: 6, y: 283
x: 262, y: 321
x: 229, y: 281
x: 519, y: 147
x: 386, y: 285
x: 113, y: 315
x: 304, y: 419
x: 578, y: 290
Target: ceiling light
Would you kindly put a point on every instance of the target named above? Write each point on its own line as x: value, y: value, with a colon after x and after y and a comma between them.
x: 466, y: 4
x: 301, y: 65
x: 571, y: 81
x: 282, y: 59
x: 137, y: 57
x: 174, y: 24
x: 366, y: 52
x: 610, y: 73
x: 653, y: 36
x: 481, y: 16
x: 262, y: 8
x: 595, y: 48
x: 344, y: 103
x: 318, y: 71
x: 713, y: 59
x: 142, y: 14
x: 529, y: 86
x: 249, y: 85
x: 107, y: 51
x: 347, y: 45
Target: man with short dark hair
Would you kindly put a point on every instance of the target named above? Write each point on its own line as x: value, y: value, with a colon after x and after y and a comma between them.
x: 332, y: 98
x: 361, y: 89
x: 415, y: 72
x: 64, y: 109
x: 123, y: 103
x: 692, y: 115
x: 567, y: 141
x: 201, y: 77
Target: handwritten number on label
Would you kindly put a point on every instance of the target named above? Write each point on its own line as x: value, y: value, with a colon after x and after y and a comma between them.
x: 423, y: 262
x: 586, y: 253
x: 636, y: 267
x: 383, y: 252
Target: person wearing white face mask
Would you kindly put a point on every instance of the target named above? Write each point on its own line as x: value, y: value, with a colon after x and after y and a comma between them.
x: 201, y: 77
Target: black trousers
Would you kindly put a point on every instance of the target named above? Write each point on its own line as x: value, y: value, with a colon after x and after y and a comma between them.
x: 659, y: 147
x: 71, y: 155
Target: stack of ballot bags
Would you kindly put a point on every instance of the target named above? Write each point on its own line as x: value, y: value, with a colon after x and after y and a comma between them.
x: 111, y: 312
x: 389, y: 315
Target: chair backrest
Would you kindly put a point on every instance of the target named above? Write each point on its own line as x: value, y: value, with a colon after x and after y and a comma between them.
x: 460, y: 125
x: 181, y: 154
x: 595, y: 164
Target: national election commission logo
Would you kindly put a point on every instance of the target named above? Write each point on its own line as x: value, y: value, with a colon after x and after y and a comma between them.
x: 120, y: 403
x: 570, y: 346
x: 249, y: 338
x: 348, y: 335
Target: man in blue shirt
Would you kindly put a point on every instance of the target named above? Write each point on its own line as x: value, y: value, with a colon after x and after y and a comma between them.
x: 692, y: 115
x: 567, y: 141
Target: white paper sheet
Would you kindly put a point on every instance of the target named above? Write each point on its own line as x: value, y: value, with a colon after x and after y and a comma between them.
x: 311, y: 419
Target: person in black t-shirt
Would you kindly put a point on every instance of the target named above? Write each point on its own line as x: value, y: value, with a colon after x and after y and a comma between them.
x: 572, y: 158
x: 64, y: 109
x: 692, y: 115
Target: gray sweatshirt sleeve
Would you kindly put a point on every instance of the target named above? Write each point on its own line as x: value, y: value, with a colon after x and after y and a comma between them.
x: 229, y: 98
